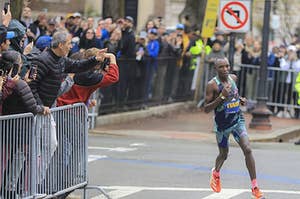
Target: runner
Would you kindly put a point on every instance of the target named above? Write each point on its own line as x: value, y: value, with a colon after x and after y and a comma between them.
x: 223, y: 97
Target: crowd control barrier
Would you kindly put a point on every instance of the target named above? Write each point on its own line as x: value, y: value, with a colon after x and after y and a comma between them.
x: 44, y: 156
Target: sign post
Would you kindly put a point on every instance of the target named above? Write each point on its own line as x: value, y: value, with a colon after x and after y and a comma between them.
x: 208, y: 28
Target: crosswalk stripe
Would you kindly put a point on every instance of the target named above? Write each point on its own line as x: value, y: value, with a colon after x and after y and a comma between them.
x: 116, y: 149
x: 92, y: 158
x: 227, y: 193
x: 118, y: 193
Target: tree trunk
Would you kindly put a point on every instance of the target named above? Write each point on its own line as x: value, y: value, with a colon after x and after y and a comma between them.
x: 193, y: 13
x: 16, y: 9
x: 114, y: 8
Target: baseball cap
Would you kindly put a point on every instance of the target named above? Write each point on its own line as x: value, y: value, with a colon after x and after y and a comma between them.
x: 129, y: 18
x: 10, y: 34
x: 180, y: 26
x: 143, y: 35
x: 292, y: 48
x: 153, y: 31
x: 43, y: 41
x: 76, y: 14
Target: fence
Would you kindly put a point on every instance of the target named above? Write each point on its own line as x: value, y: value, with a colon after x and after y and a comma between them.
x: 44, y: 156
x: 142, y: 84
x: 280, y: 86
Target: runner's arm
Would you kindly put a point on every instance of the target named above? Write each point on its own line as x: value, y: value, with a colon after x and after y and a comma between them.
x: 211, y: 102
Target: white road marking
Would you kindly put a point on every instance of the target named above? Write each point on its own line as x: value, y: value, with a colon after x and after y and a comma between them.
x: 226, y: 193
x: 122, y: 191
x: 117, y: 149
x: 92, y: 158
x: 138, y: 144
x: 118, y: 193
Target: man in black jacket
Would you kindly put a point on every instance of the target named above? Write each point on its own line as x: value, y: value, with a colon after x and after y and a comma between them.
x: 127, y: 62
x: 53, y: 65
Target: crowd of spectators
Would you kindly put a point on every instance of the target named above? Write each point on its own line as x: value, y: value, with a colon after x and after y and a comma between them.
x: 155, y: 63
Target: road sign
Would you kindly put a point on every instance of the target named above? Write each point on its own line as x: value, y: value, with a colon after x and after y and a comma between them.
x: 210, y: 18
x: 234, y: 16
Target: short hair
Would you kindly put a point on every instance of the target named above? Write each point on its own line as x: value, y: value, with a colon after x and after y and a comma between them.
x: 8, y: 59
x: 221, y: 62
x: 59, y: 37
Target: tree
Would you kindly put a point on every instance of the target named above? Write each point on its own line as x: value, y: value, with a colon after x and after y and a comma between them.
x: 193, y: 13
x: 114, y: 8
x: 16, y: 8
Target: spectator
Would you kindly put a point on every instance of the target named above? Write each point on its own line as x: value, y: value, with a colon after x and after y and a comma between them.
x: 51, y: 27
x: 26, y: 18
x: 90, y: 21
x: 88, y: 40
x: 217, y: 52
x: 76, y: 29
x: 113, y: 44
x: 127, y: 65
x: 151, y: 67
x: 21, y: 100
x: 287, y: 80
x: 53, y: 65
x: 87, y: 82
x: 39, y: 26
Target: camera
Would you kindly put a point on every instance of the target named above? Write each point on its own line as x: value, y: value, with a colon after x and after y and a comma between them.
x: 105, y: 63
x: 32, y: 71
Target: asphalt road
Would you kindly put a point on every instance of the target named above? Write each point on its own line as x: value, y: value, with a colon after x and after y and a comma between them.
x: 131, y: 167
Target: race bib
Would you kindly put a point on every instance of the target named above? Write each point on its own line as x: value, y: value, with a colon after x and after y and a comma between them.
x: 232, y: 106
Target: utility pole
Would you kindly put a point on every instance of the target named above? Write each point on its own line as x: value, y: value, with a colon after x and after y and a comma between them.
x: 261, y: 113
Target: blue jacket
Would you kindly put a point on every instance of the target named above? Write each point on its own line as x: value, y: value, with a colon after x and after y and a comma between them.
x: 153, y: 48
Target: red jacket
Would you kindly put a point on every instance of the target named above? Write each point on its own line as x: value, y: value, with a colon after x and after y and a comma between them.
x: 82, y: 93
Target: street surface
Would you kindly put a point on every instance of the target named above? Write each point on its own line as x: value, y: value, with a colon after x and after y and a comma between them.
x: 150, y: 168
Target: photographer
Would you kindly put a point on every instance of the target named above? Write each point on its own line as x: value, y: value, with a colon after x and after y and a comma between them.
x: 53, y: 65
x: 85, y: 83
x: 21, y: 99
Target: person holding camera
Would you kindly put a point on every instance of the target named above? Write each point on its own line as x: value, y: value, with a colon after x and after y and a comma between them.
x: 53, y: 65
x: 85, y: 83
x: 21, y: 99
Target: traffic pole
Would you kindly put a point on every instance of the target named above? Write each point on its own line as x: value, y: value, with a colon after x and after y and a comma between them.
x: 260, y: 114
x: 198, y: 91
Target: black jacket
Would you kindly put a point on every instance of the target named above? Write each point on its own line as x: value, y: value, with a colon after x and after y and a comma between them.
x: 51, y: 72
x: 127, y: 43
x: 21, y: 100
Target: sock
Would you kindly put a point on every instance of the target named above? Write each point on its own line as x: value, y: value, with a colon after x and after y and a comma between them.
x: 254, y: 183
x: 216, y: 173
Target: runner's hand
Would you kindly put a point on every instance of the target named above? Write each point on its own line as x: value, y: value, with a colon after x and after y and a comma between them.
x: 243, y: 101
x: 226, y: 90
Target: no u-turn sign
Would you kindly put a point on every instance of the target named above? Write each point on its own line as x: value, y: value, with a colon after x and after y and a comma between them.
x: 234, y: 16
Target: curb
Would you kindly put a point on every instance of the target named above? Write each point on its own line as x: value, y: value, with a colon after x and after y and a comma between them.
x: 140, y: 114
x: 282, y: 135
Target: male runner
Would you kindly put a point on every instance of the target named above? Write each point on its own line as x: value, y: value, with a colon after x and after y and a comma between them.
x: 222, y: 96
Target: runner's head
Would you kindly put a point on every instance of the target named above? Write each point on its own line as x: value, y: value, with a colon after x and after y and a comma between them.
x: 222, y: 66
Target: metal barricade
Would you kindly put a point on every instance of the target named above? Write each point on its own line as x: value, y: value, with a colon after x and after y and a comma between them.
x: 61, y: 141
x: 44, y: 156
x: 16, y: 164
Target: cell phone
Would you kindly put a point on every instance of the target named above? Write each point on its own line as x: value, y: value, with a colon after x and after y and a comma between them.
x: 32, y: 71
x: 6, y: 4
x: 15, y: 70
x: 1, y: 72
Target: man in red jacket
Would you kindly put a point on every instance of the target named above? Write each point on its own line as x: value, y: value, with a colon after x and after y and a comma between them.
x: 86, y: 83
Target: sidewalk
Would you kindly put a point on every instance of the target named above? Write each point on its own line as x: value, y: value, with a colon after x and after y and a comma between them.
x: 181, y: 121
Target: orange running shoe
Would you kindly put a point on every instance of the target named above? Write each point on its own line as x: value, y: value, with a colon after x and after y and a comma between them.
x: 215, y: 182
x: 257, y: 194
